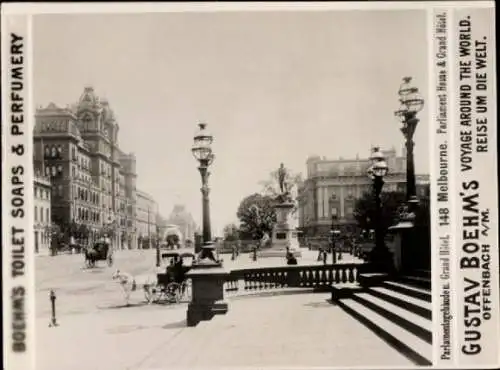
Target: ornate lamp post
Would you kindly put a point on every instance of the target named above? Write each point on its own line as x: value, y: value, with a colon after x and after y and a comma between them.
x: 202, y: 151
x: 380, y: 256
x: 411, y: 104
x: 333, y: 237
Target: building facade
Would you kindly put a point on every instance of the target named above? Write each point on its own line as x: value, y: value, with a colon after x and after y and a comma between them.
x: 93, y: 181
x: 332, y: 187
x: 147, y: 212
x: 184, y: 221
x: 42, y: 214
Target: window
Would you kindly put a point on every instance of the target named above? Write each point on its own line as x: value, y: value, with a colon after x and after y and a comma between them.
x: 41, y: 214
x: 36, y: 192
x: 73, y: 171
x: 60, y: 190
x: 47, y: 215
x: 36, y: 213
x: 47, y: 171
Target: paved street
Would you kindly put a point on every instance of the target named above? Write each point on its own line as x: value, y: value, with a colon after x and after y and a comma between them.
x: 79, y: 289
x: 274, y: 330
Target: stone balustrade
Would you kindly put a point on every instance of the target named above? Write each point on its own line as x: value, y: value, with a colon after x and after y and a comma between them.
x: 314, y: 276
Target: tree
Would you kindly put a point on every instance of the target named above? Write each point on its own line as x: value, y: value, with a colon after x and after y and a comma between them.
x: 256, y: 215
x: 231, y: 232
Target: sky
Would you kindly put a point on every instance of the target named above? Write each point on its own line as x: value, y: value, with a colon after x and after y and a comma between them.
x: 272, y: 86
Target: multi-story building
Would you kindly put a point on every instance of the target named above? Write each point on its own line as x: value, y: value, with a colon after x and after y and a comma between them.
x: 93, y: 182
x: 42, y: 213
x: 147, y: 211
x: 333, y: 186
x: 184, y: 221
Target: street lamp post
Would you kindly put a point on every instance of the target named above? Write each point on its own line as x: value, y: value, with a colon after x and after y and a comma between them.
x: 158, y: 254
x: 411, y: 104
x: 202, y: 151
x: 333, y: 237
x: 380, y: 256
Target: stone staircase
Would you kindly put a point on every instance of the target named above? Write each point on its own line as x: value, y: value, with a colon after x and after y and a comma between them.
x: 398, y: 310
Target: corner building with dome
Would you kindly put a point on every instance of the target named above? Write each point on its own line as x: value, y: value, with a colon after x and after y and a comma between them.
x: 93, y: 180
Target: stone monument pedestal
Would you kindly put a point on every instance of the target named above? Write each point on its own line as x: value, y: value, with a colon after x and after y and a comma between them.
x: 207, y: 293
x: 284, y: 237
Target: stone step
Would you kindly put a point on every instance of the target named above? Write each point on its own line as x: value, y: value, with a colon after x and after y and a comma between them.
x: 422, y: 273
x: 417, y: 281
x: 419, y: 293
x: 408, y: 320
x: 410, y: 345
x: 415, y: 305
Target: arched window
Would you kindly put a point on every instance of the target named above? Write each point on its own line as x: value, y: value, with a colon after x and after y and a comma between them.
x: 47, y: 151
x: 47, y: 171
x: 54, y: 151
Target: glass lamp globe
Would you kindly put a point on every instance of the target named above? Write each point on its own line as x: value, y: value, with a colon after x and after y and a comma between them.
x: 202, y: 146
x: 380, y: 169
x: 376, y: 155
x: 410, y: 97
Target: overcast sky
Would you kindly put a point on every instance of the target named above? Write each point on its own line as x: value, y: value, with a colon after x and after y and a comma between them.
x: 273, y: 87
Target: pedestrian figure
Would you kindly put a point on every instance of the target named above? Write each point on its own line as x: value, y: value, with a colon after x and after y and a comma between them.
x: 290, y: 258
x: 233, y: 252
x: 320, y: 252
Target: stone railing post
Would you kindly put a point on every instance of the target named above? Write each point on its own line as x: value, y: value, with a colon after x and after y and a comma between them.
x: 293, y: 277
x: 207, y: 294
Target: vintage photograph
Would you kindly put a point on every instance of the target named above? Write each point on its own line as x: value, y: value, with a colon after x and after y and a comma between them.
x: 232, y: 189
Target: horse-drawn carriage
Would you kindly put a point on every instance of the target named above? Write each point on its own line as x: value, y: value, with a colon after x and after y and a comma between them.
x: 172, y: 285
x: 100, y: 251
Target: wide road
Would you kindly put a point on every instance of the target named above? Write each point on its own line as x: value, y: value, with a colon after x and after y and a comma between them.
x: 97, y: 332
x: 81, y: 290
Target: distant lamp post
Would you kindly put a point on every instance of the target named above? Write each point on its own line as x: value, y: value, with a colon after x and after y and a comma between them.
x: 202, y: 151
x: 380, y: 256
x: 411, y: 104
x: 157, y: 244
x: 334, y: 234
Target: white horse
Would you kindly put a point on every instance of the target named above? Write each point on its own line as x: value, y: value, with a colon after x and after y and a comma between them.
x: 127, y: 283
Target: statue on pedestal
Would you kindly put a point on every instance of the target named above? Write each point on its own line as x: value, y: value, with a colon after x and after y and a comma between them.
x: 283, y: 175
x: 283, y: 241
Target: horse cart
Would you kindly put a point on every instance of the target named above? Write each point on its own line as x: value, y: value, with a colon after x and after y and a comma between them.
x: 100, y: 251
x: 172, y: 285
